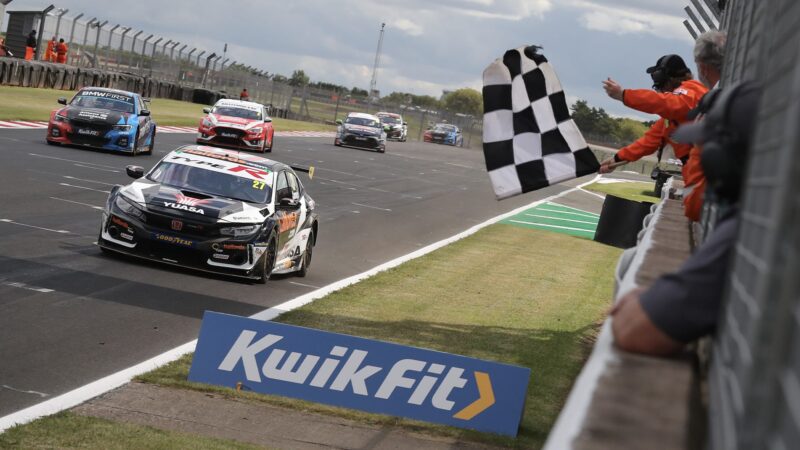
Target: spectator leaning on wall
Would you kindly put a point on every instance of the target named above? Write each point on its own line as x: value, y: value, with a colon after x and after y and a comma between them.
x: 683, y: 306
x: 709, y: 54
x: 674, y: 94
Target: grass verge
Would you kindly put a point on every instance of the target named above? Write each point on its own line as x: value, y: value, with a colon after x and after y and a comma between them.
x: 67, y: 430
x: 634, y: 190
x: 487, y: 296
x: 34, y: 104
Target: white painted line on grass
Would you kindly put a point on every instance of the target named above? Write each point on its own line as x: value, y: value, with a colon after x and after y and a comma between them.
x: 84, y: 188
x: 587, y: 215
x: 113, y: 381
x: 78, y: 203
x: 592, y: 193
x: 34, y: 226
x: 27, y: 287
x: 574, y: 209
x: 551, y: 226
x: 559, y: 218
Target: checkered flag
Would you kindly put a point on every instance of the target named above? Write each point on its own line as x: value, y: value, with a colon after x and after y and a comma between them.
x: 529, y: 139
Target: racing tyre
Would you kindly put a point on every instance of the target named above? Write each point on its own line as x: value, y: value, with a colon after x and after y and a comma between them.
x: 337, y: 143
x: 152, y: 143
x: 49, y: 142
x: 267, y: 263
x: 306, y: 261
x: 382, y: 149
x: 135, y: 148
x: 271, y: 144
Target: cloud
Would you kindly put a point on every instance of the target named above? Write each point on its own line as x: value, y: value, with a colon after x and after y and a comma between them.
x: 622, y: 19
x: 407, y: 26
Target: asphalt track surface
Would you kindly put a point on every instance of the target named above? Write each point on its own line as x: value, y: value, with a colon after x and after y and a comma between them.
x: 70, y: 315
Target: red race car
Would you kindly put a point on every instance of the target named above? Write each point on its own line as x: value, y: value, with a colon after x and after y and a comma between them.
x: 237, y: 124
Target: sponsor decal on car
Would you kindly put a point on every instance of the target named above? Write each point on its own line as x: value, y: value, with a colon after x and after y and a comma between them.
x: 224, y: 157
x: 173, y: 240
x: 176, y: 225
x: 287, y: 222
x: 88, y: 132
x: 91, y: 115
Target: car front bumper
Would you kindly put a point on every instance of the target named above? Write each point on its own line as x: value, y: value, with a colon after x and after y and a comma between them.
x: 94, y: 137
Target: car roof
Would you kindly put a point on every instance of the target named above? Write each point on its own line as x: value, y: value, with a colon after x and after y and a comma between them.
x: 245, y: 159
x: 363, y: 116
x: 387, y: 114
x: 113, y: 91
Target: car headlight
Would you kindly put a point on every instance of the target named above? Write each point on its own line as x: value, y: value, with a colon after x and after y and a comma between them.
x: 61, y: 118
x: 240, y: 231
x: 122, y: 128
x: 256, y: 130
x: 207, y: 123
x: 129, y: 207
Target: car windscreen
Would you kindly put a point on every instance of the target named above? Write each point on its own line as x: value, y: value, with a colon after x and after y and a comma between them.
x: 237, y: 112
x: 363, y: 122
x: 445, y: 128
x: 390, y: 120
x: 210, y: 182
x: 104, y: 100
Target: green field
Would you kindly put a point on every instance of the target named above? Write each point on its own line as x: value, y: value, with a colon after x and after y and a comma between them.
x: 33, y: 104
x: 632, y: 190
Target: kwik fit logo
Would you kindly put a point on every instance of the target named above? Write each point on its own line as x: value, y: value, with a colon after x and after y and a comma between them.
x: 344, y: 368
x: 353, y: 372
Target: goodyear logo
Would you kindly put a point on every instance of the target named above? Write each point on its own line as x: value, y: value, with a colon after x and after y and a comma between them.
x: 173, y: 240
x: 359, y: 373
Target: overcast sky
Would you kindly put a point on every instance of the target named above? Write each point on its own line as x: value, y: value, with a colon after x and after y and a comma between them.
x: 429, y: 45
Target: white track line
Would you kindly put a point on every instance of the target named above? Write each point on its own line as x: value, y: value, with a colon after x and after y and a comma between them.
x: 84, y: 188
x: 587, y: 215
x: 558, y: 218
x: 88, y: 181
x: 78, y: 203
x: 574, y: 209
x: 71, y: 160
x: 373, y: 207
x: 34, y: 226
x: 551, y: 226
x: 26, y: 287
x: 113, y: 381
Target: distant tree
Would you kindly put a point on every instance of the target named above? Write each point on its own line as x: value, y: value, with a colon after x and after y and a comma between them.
x: 465, y: 100
x: 425, y: 101
x: 397, y: 98
x: 357, y: 92
x: 597, y: 123
x: 299, y: 78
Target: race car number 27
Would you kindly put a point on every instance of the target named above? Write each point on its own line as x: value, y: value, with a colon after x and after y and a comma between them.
x: 259, y: 184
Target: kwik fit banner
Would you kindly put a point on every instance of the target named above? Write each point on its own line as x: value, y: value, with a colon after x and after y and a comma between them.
x: 353, y: 372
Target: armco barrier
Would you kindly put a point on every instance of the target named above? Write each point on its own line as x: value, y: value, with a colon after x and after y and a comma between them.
x: 39, y: 74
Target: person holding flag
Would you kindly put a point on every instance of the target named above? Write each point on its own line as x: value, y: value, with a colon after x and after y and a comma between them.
x: 50, y: 51
x: 674, y: 94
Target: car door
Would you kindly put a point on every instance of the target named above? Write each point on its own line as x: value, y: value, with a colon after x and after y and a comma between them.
x: 144, y: 122
x: 286, y: 216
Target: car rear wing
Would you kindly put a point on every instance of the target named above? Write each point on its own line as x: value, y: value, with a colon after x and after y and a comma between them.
x: 309, y: 170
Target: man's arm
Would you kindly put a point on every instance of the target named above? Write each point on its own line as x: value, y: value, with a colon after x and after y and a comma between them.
x: 635, y: 332
x: 672, y: 106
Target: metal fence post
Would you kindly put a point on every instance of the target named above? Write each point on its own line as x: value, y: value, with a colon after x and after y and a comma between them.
x: 99, y: 27
x: 140, y: 64
x: 58, y: 21
x: 133, y: 48
x: 85, y: 36
x: 108, y: 47
x: 153, y: 56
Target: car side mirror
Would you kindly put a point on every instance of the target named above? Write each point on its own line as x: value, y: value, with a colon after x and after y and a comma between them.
x: 62, y: 101
x: 268, y: 120
x: 288, y: 203
x: 144, y: 112
x: 338, y: 121
x: 207, y: 110
x: 134, y: 171
x: 405, y: 123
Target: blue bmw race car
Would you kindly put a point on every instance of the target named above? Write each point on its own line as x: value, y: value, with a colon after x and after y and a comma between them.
x: 104, y: 118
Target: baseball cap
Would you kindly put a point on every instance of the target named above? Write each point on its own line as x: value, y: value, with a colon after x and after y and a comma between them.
x: 731, y: 112
x: 673, y: 65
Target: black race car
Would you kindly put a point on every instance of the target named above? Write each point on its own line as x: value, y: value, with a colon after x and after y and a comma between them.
x: 214, y: 210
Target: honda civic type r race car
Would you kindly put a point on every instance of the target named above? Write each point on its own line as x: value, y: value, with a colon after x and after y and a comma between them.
x: 237, y: 124
x: 103, y: 118
x: 214, y: 210
x: 361, y: 130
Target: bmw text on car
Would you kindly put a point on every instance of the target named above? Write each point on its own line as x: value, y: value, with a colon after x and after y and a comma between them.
x: 103, y: 118
x: 237, y: 124
x: 214, y: 210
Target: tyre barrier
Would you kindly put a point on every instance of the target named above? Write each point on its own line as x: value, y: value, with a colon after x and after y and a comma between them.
x: 41, y: 74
